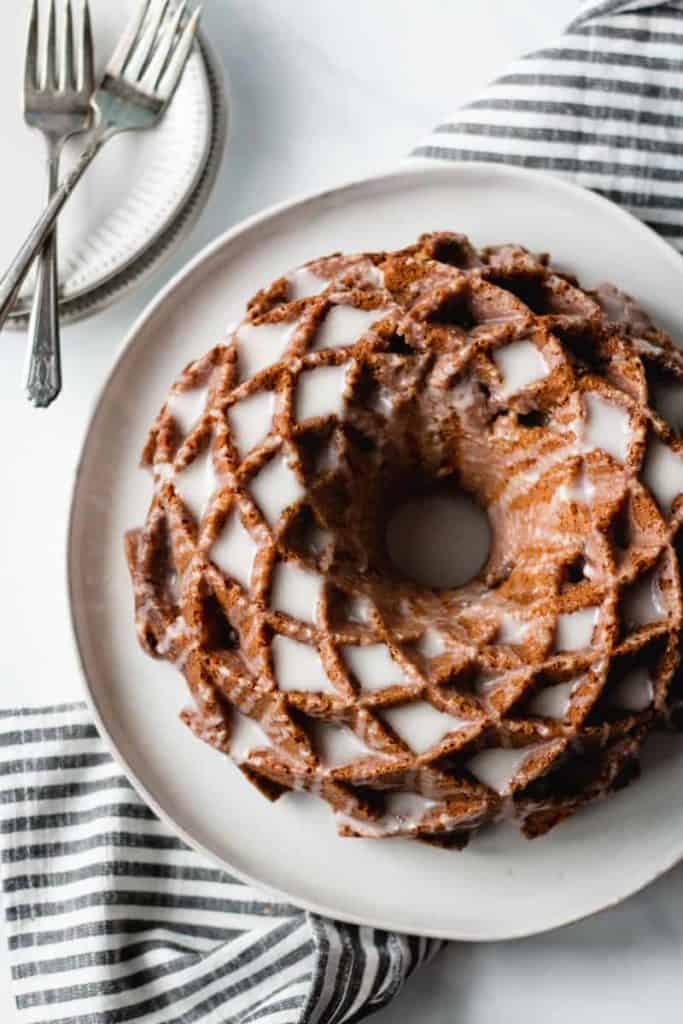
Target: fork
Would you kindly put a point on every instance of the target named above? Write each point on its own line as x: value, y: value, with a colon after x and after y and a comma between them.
x: 138, y: 85
x: 57, y: 103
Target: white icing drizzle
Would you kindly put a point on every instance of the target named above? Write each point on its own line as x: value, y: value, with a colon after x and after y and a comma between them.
x: 174, y: 632
x: 163, y: 472
x: 607, y: 426
x: 250, y: 420
x: 245, y: 735
x: 520, y: 364
x: 234, y: 551
x: 642, y: 602
x: 344, y: 325
x: 186, y: 407
x: 581, y: 489
x: 374, y: 276
x: 303, y: 283
x: 320, y: 392
x: 420, y: 725
x: 575, y: 629
x: 196, y: 483
x: 373, y: 666
x: 336, y: 745
x: 553, y: 701
x: 634, y: 692
x: 431, y: 644
x: 511, y: 629
x: 498, y: 767
x: 663, y: 473
x: 404, y: 811
x: 275, y: 488
x: 298, y: 666
x: 296, y: 591
x: 261, y: 346
x: 408, y: 809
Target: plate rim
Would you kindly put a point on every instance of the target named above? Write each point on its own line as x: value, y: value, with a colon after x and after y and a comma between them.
x: 411, y: 168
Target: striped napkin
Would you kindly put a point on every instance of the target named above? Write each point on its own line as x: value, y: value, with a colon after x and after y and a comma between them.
x: 603, y: 107
x: 110, y: 917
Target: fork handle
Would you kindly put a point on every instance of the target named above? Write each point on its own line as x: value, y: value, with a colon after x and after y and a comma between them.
x: 43, y: 371
x: 15, y: 276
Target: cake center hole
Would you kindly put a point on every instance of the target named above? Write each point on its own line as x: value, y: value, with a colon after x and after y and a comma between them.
x: 439, y: 540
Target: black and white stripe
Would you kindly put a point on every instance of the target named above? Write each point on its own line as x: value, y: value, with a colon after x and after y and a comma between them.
x: 604, y: 107
x: 110, y: 918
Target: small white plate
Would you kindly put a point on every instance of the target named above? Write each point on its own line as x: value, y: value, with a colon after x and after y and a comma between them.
x: 502, y: 886
x: 135, y: 191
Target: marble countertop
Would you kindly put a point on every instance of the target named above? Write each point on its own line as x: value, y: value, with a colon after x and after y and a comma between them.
x: 321, y: 92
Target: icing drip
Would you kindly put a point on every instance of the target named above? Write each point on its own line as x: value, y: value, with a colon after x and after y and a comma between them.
x: 431, y: 644
x: 298, y: 666
x: 345, y: 325
x: 520, y: 364
x: 553, y: 701
x: 498, y: 768
x: 336, y: 745
x: 420, y: 725
x: 575, y: 629
x: 245, y: 735
x: 373, y: 666
x: 296, y: 592
x: 607, y: 427
x: 663, y: 474
x: 275, y: 488
x: 511, y: 630
x: 261, y: 346
x: 303, y: 283
x: 234, y: 551
x: 320, y: 392
x: 196, y: 483
x: 250, y: 421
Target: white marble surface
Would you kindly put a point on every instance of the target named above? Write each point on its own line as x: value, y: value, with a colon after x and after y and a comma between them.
x: 322, y: 91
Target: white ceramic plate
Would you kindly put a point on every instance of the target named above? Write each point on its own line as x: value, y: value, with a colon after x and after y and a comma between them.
x: 133, y: 192
x: 502, y: 885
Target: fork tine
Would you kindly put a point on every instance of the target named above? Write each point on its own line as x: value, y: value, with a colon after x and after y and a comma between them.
x: 86, y: 76
x: 164, y: 50
x: 68, y: 69
x: 174, y: 72
x: 51, y: 63
x: 145, y: 46
x: 31, y: 67
x: 127, y: 42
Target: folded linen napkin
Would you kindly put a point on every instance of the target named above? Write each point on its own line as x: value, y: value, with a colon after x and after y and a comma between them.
x: 110, y: 917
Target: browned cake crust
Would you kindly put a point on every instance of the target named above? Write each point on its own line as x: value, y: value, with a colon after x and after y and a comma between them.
x: 553, y: 665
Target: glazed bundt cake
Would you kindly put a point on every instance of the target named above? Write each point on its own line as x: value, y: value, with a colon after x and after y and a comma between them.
x: 357, y: 384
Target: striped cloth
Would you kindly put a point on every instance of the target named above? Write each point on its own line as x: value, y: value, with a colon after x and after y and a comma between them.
x: 110, y: 917
x: 603, y: 107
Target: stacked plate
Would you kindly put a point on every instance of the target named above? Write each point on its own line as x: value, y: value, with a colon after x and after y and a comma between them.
x: 137, y: 200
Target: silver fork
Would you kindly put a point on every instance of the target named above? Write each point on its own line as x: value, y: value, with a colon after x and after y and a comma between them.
x: 57, y: 103
x: 138, y: 85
